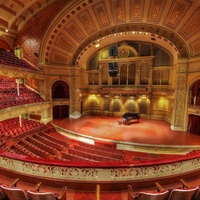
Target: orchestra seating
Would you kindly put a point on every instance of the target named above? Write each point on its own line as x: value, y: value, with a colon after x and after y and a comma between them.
x: 9, y: 96
x: 43, y: 145
x: 12, y: 128
x: 8, y: 58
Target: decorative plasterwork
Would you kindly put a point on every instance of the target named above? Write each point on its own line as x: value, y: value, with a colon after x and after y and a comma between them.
x: 180, y: 45
x: 192, y: 26
x: 155, y: 11
x: 74, y: 30
x: 136, y: 10
x: 101, y: 12
x: 176, y: 13
x: 86, y: 21
x: 195, y: 47
x: 108, y: 174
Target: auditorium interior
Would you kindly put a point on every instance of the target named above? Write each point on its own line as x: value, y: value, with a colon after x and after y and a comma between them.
x: 100, y: 99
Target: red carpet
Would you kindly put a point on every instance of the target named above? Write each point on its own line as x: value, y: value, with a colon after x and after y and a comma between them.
x: 103, y: 196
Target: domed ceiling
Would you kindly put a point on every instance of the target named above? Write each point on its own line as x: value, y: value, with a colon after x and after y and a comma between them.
x: 80, y: 25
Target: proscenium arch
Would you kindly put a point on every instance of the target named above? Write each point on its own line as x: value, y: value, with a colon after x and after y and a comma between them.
x: 91, y: 50
x: 127, y: 44
x: 155, y: 33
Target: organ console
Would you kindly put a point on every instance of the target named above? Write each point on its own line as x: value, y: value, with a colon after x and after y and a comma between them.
x: 128, y: 117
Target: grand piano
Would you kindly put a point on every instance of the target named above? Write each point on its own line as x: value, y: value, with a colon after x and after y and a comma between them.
x: 128, y: 117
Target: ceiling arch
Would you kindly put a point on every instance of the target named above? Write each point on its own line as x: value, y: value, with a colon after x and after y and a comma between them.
x: 79, y: 25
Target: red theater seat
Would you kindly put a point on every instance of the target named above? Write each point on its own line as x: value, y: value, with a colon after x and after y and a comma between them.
x: 185, y: 193
x: 162, y: 195
x: 47, y: 195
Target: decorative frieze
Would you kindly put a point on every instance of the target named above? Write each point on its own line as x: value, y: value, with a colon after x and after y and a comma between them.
x: 97, y: 173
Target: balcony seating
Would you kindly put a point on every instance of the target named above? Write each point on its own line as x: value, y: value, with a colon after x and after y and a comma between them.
x: 47, y: 195
x: 9, y: 96
x: 161, y: 195
x: 11, y: 127
x: 186, y: 192
x: 8, y: 58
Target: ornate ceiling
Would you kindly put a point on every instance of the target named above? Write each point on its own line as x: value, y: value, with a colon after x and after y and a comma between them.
x: 15, y: 13
x: 81, y: 24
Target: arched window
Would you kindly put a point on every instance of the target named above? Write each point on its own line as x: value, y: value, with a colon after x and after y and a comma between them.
x: 144, y: 74
x: 131, y: 74
x: 123, y: 74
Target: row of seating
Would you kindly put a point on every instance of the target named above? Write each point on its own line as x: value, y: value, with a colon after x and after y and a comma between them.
x: 42, y: 145
x: 51, y: 143
x: 51, y: 138
x: 72, y: 157
x: 91, y: 156
x: 108, y: 154
x: 39, y: 144
x: 8, y: 58
x: 184, y: 192
x: 101, y: 147
x: 16, y: 148
x: 34, y: 149
x: 12, y: 192
x: 9, y: 96
x: 12, y: 128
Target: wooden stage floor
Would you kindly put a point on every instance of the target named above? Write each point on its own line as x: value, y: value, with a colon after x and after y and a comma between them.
x: 153, y: 132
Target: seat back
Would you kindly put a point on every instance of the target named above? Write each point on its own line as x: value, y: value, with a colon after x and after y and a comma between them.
x: 153, y: 195
x: 2, y: 196
x: 186, y: 194
x: 13, y: 193
x: 41, y: 195
x: 197, y: 196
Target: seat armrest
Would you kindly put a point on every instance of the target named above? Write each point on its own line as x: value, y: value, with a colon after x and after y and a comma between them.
x: 184, y: 184
x: 131, y: 195
x: 159, y: 187
x: 63, y: 194
x: 37, y: 187
x: 14, y: 184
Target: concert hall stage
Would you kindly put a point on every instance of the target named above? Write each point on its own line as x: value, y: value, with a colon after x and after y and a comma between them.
x: 151, y: 135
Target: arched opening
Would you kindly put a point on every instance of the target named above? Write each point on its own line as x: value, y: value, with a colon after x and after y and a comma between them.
x: 60, y: 98
x: 194, y: 99
x: 195, y: 93
x: 60, y: 90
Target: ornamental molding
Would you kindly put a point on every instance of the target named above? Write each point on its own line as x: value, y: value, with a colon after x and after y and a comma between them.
x: 84, y: 174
